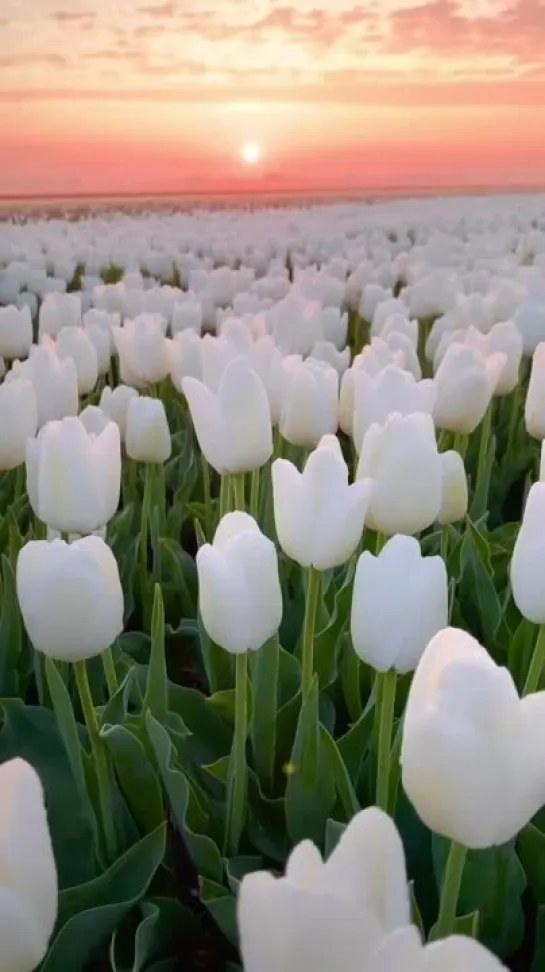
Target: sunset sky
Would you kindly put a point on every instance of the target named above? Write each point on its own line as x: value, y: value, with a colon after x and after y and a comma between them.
x: 106, y: 96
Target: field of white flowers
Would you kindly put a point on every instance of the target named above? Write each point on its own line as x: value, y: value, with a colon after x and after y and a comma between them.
x: 272, y: 589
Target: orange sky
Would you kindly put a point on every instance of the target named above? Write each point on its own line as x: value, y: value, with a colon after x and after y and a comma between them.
x: 101, y: 96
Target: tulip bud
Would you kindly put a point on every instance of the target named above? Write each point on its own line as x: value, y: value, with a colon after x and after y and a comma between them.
x: 465, y: 382
x: 403, y: 951
x: 18, y: 421
x: 15, y: 332
x: 528, y: 561
x: 454, y: 493
x: 464, y: 724
x: 534, y: 412
x: 114, y: 402
x: 327, y: 352
x: 327, y: 915
x: 70, y: 597
x: 58, y: 311
x: 310, y: 402
x: 319, y: 517
x: 101, y: 340
x: 75, y: 343
x: 55, y: 382
x: 392, y: 390
x: 187, y: 316
x: 233, y: 426
x: 148, y: 434
x: 402, y: 457
x: 240, y: 598
x: 93, y: 419
x: 400, y: 600
x: 29, y: 875
x: 142, y: 350
x: 73, y: 478
x: 185, y: 358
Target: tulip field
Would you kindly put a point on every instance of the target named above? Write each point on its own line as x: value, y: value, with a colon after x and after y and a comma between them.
x: 272, y: 589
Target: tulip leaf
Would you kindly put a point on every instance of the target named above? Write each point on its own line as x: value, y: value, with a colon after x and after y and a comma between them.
x: 223, y: 704
x: 139, y: 784
x: 310, y: 791
x: 165, y: 925
x: 32, y: 733
x: 156, y: 697
x: 68, y: 728
x: 221, y: 904
x: 210, y: 737
x: 538, y: 958
x: 90, y: 913
x: 333, y: 763
x: 11, y: 633
x: 333, y: 833
x: 237, y: 867
x: 203, y: 850
x: 493, y: 884
x: 531, y: 850
x: 477, y: 588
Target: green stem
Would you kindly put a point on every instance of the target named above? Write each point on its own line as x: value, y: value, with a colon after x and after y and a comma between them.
x: 460, y: 444
x: 380, y: 541
x: 480, y: 501
x: 314, y: 583
x: 100, y: 760
x: 450, y: 890
x: 387, y: 696
x: 536, y: 665
x: 110, y: 672
x: 238, y: 489
x: 254, y: 493
x: 514, y: 417
x: 144, y: 522
x: 225, y: 489
x: 207, y: 488
x: 238, y: 775
x: 444, y: 543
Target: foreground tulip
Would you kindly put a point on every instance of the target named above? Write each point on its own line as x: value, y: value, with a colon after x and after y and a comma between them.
x: 70, y: 597
x: 327, y: 915
x: 240, y: 602
x: 18, y: 421
x: 465, y: 723
x: 403, y: 951
x: 73, y: 478
x: 402, y: 457
x: 400, y: 600
x: 464, y: 727
x: 233, y: 427
x: 28, y: 875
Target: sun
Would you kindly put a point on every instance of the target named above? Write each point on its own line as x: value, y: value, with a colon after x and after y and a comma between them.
x: 251, y: 153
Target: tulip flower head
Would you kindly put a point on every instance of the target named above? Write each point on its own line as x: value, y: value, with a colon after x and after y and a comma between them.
x: 319, y: 516
x: 240, y: 598
x: 28, y: 875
